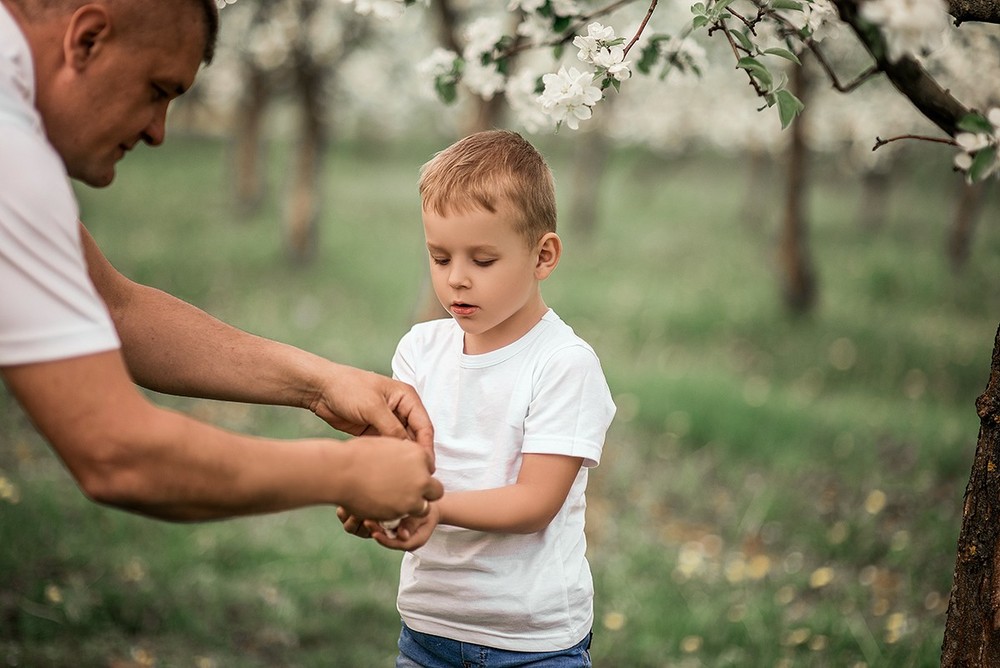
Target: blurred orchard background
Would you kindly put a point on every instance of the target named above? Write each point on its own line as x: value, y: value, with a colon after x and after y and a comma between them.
x: 795, y: 326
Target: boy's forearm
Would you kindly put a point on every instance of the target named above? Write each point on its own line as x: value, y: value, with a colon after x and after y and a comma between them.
x: 512, y: 509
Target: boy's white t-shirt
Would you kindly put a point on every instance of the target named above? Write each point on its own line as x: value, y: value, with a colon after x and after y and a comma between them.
x: 49, y: 308
x: 543, y: 394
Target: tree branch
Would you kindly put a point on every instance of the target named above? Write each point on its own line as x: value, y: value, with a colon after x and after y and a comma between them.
x: 985, y: 11
x: 906, y: 74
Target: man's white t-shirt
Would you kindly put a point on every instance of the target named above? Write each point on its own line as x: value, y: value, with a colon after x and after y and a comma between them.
x: 545, y: 393
x: 49, y: 308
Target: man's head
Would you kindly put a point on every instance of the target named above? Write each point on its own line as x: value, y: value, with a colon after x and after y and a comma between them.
x: 106, y: 70
x: 487, y: 171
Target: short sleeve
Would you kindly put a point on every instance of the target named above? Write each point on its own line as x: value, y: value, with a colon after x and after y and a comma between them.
x: 571, y: 407
x: 49, y: 307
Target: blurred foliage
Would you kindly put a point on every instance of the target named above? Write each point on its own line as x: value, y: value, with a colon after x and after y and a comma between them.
x: 775, y: 491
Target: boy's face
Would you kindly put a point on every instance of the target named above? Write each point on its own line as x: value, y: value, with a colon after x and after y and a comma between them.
x: 485, y: 275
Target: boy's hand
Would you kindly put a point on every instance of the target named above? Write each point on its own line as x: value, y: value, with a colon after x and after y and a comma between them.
x: 411, y: 533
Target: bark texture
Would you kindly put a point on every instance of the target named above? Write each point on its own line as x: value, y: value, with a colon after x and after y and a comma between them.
x: 972, y: 629
x: 797, y: 276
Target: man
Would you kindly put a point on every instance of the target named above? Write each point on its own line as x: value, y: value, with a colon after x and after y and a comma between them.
x: 81, y: 83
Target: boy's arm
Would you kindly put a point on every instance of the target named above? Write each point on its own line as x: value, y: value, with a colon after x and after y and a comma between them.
x: 526, y: 506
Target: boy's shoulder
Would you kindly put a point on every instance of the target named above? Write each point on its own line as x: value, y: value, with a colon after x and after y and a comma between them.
x: 430, y: 330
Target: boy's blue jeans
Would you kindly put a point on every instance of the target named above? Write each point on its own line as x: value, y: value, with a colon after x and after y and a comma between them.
x: 420, y: 650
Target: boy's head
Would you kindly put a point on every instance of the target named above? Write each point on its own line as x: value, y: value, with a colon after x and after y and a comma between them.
x: 486, y: 170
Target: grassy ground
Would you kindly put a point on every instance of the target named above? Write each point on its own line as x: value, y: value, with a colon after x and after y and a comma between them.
x: 776, y: 491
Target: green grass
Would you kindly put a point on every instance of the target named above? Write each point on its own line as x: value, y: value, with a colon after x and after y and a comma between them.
x: 776, y: 490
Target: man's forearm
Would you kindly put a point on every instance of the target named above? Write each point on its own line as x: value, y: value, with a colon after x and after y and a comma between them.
x: 174, y: 347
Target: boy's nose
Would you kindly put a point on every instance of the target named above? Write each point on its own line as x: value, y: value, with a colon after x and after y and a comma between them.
x: 458, y: 277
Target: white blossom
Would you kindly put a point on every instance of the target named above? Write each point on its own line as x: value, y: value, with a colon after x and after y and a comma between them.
x: 971, y: 143
x: 438, y: 63
x: 385, y: 10
x: 599, y: 48
x: 536, y: 28
x: 526, y: 6
x: 595, y: 40
x: 910, y: 27
x: 481, y: 37
x: 565, y: 8
x: 483, y: 80
x: 526, y: 104
x: 569, y: 95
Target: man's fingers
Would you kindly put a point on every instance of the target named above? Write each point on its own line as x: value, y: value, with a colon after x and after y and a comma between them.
x: 434, y: 491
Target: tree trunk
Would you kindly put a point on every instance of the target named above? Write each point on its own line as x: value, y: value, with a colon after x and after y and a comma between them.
x: 798, y: 280
x: 249, y: 182
x: 874, y: 199
x: 590, y: 160
x: 970, y: 201
x: 303, y: 205
x: 757, y: 195
x: 972, y: 629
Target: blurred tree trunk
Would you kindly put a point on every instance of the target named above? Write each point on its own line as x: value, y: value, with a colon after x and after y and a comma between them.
x: 874, y: 205
x: 972, y: 628
x: 798, y: 280
x: 303, y: 204
x: 248, y: 176
x: 757, y: 195
x: 591, y: 153
x: 970, y: 202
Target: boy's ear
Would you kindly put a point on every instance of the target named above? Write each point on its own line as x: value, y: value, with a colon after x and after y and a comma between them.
x: 88, y: 30
x: 549, y: 252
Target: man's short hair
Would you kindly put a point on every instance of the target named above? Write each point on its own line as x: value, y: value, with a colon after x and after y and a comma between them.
x: 34, y: 9
x: 485, y: 170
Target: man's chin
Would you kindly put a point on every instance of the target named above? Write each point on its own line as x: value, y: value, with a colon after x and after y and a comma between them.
x: 96, y: 179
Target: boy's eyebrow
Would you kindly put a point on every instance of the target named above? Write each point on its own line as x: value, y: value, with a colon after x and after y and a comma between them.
x: 482, y: 248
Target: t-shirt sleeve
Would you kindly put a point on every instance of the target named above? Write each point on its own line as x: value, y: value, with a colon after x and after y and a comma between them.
x: 49, y: 308
x: 571, y: 407
x: 402, y: 360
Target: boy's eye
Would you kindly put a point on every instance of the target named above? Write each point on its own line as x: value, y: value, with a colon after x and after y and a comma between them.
x: 484, y: 263
x: 439, y: 260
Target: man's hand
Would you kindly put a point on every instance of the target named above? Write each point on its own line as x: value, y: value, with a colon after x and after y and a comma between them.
x: 408, y: 533
x: 386, y: 478
x: 364, y: 403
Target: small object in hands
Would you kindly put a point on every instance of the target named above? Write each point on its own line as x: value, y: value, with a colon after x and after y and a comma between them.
x: 390, y: 526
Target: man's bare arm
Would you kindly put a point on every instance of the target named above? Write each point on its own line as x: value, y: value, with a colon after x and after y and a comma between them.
x: 173, y: 347
x: 126, y: 452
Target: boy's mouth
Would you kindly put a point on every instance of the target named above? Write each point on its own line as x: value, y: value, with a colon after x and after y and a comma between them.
x: 461, y: 308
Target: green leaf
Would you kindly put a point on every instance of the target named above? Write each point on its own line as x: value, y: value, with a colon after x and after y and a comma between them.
x: 975, y: 123
x: 783, y: 53
x: 983, y: 163
x: 698, y: 8
x: 561, y: 24
x: 446, y: 89
x: 789, y: 107
x: 698, y: 22
x: 786, y: 4
x: 647, y: 58
x: 744, y: 40
x: 756, y: 70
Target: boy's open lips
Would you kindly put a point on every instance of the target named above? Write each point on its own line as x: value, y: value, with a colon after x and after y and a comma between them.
x: 459, y: 308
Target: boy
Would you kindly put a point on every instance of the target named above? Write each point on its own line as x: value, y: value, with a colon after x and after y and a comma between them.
x: 520, y: 408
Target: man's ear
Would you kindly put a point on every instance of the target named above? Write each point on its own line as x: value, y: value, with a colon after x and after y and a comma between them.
x: 88, y: 30
x: 549, y: 252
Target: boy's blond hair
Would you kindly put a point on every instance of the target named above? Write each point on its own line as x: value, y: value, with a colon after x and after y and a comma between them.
x: 486, y: 169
